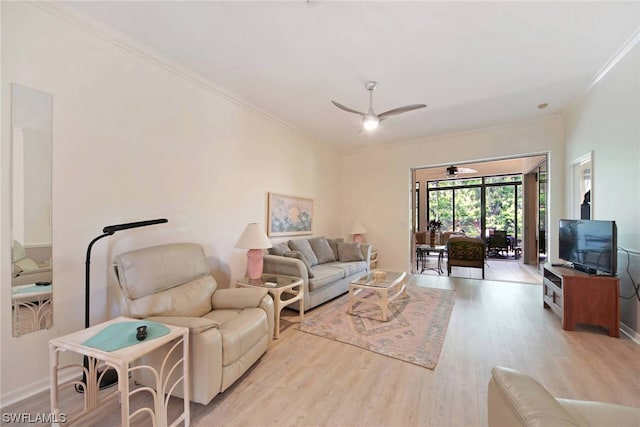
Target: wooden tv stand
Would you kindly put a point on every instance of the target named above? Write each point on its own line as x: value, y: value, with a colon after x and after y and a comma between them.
x: 579, y: 297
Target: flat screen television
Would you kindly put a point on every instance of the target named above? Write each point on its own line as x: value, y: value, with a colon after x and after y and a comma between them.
x: 589, y: 244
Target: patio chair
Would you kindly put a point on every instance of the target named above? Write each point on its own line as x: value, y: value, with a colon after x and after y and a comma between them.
x: 465, y: 252
x: 498, y: 242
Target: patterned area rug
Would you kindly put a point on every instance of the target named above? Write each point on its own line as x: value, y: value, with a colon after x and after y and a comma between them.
x: 414, y: 333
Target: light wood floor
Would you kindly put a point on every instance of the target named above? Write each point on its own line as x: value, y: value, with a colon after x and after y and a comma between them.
x: 510, y: 270
x: 305, y: 380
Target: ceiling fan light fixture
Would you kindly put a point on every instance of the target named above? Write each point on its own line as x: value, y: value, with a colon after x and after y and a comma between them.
x: 370, y: 122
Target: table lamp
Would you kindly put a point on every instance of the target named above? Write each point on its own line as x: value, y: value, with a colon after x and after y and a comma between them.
x: 255, y: 240
x: 357, y: 230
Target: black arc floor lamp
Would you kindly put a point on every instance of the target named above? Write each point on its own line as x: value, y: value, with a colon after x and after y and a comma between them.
x: 110, y: 377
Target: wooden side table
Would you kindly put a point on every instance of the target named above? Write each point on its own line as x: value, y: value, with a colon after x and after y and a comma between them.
x: 279, y: 286
x: 120, y: 360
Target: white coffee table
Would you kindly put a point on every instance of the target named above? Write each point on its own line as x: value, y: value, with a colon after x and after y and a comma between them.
x: 385, y: 286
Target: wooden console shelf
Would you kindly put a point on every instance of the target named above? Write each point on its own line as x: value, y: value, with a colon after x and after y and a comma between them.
x: 578, y: 297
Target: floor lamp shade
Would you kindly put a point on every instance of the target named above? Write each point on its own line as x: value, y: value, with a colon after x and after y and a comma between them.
x: 255, y: 240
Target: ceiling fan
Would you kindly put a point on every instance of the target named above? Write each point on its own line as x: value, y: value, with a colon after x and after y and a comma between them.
x: 455, y: 170
x: 371, y: 120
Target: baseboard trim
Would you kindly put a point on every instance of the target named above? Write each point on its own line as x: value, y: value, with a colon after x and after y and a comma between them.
x: 633, y: 335
x: 30, y: 390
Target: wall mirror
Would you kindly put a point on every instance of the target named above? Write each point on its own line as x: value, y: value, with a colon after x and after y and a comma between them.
x: 31, y: 266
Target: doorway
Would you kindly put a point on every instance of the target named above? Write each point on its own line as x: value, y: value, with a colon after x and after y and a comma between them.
x: 488, y: 195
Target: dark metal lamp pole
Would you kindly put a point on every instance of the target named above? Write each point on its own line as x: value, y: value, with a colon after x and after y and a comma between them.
x: 110, y: 377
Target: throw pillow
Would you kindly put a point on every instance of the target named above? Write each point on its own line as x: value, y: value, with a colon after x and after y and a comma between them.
x: 302, y: 245
x: 279, y: 249
x: 322, y: 250
x: 334, y: 246
x: 299, y: 255
x: 348, y: 252
x: 27, y: 264
x: 17, y: 251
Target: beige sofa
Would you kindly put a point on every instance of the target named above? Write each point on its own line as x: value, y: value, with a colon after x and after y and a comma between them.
x: 229, y: 329
x: 516, y: 399
x: 325, y: 265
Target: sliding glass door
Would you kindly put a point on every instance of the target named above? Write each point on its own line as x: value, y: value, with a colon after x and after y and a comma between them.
x: 477, y: 204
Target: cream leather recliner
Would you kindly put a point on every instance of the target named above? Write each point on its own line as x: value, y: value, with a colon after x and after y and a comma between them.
x: 516, y: 399
x: 229, y: 329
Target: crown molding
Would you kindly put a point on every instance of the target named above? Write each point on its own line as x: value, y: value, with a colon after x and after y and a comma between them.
x: 608, y: 66
x: 130, y: 45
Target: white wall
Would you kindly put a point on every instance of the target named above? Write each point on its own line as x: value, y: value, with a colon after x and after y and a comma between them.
x: 133, y: 141
x: 377, y: 187
x: 606, y: 122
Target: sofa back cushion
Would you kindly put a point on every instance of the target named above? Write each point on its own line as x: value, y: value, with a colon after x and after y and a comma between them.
x: 191, y: 299
x: 322, y: 250
x: 279, y: 249
x: 333, y: 243
x: 299, y: 255
x: 147, y: 271
x: 349, y: 252
x: 302, y: 245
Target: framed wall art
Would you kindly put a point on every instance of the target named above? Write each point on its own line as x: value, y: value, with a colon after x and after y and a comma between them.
x: 289, y: 215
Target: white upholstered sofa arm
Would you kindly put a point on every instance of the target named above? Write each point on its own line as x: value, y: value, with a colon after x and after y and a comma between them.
x: 237, y: 298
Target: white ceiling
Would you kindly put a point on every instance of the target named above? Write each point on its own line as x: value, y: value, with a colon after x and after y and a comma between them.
x: 475, y: 64
x: 488, y: 168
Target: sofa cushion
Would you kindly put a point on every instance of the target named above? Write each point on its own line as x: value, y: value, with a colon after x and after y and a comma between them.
x: 348, y: 252
x: 196, y: 325
x: 299, y: 255
x: 240, y: 330
x: 325, y: 275
x: 322, y: 250
x: 192, y: 299
x: 333, y: 243
x: 302, y: 245
x: 144, y: 272
x: 26, y: 264
x: 279, y: 249
x: 350, y: 267
x: 600, y: 413
x: 17, y: 251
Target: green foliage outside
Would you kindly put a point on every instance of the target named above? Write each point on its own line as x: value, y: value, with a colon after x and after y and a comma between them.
x: 500, y: 208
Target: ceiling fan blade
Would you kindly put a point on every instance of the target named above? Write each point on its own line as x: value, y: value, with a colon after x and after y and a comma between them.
x: 466, y: 170
x: 400, y: 110
x: 345, y: 108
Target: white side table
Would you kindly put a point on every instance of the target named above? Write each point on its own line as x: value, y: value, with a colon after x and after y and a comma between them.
x: 120, y: 360
x: 279, y: 286
x: 34, y: 300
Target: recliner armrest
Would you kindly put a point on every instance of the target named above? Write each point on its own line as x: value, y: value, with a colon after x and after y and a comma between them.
x: 196, y: 325
x: 237, y: 298
x: 515, y: 399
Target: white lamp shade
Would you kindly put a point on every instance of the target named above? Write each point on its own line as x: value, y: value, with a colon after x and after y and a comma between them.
x: 357, y: 228
x: 253, y: 237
